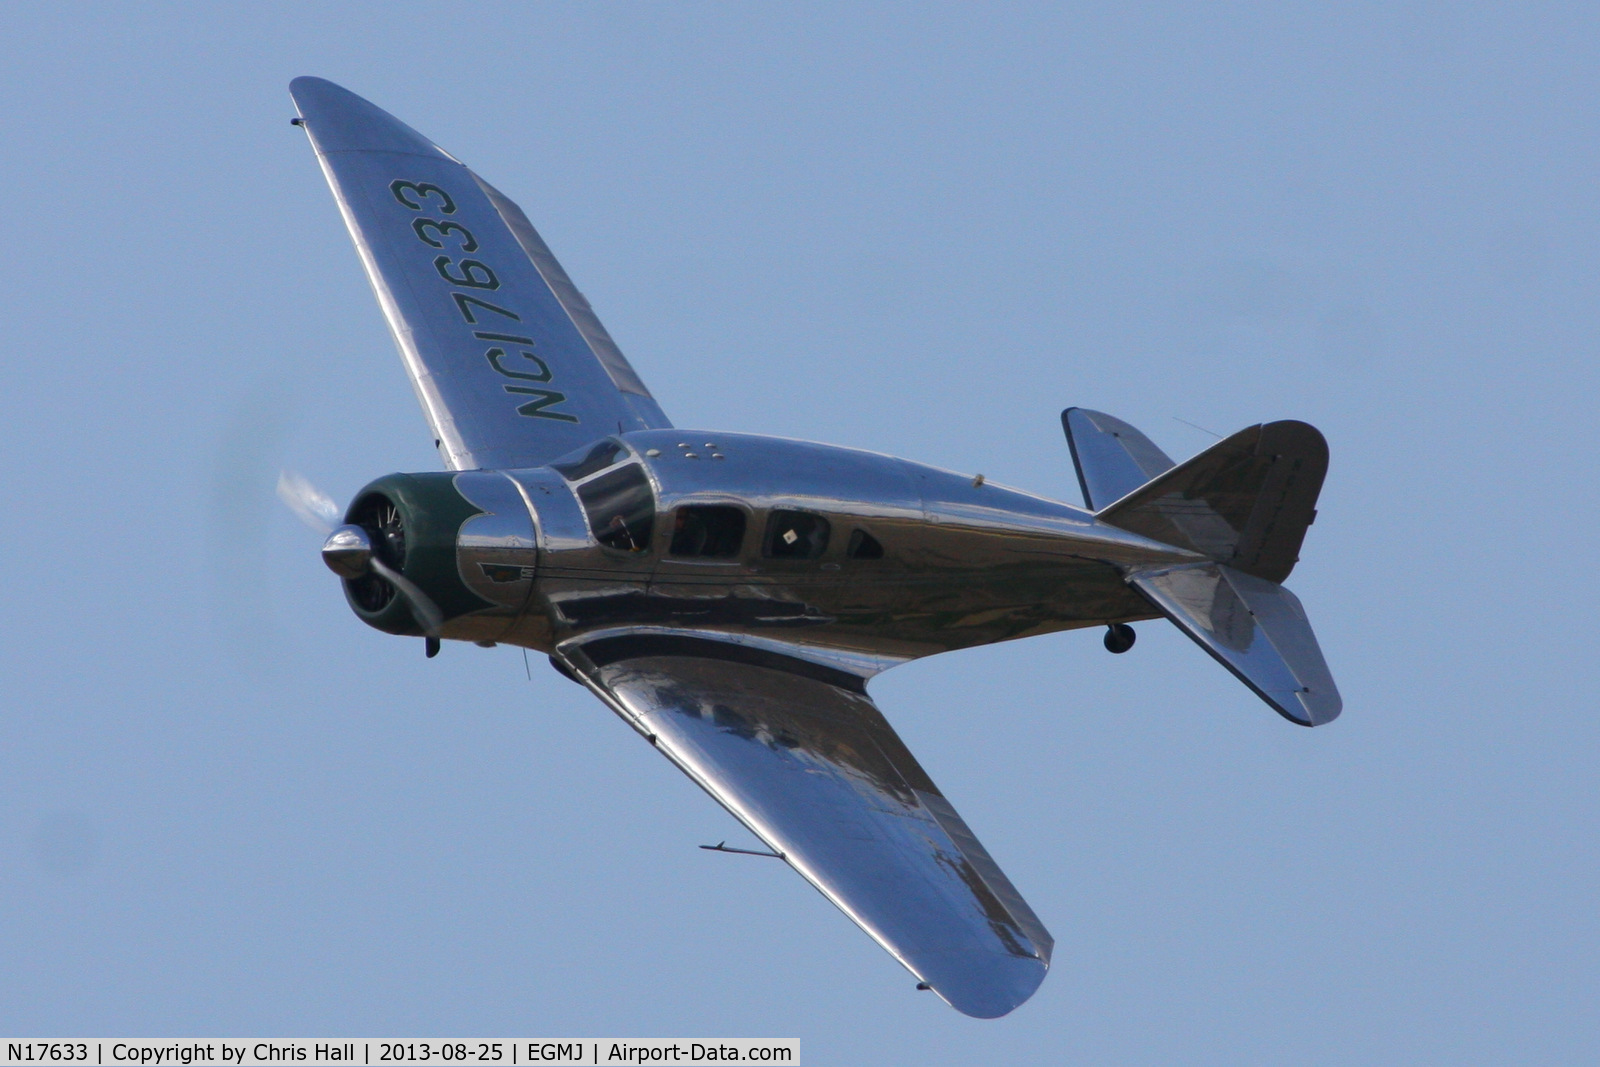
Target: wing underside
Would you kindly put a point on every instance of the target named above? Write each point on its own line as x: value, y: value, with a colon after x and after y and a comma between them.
x: 800, y: 754
x: 508, y: 359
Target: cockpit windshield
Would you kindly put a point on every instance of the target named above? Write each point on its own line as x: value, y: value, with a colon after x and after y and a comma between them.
x: 575, y: 466
x: 621, y: 508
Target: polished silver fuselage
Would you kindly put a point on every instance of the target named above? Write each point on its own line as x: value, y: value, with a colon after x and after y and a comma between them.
x: 963, y: 562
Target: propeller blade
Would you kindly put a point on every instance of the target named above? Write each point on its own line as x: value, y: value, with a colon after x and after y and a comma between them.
x: 315, y: 508
x: 426, y: 611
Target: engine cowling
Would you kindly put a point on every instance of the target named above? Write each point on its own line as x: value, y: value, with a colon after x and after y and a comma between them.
x: 464, y: 539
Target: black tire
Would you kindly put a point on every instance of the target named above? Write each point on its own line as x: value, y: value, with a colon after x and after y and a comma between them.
x: 1119, y: 638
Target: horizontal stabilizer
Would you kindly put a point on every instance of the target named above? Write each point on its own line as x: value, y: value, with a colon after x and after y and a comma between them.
x: 1113, y: 458
x: 1246, y: 501
x: 1255, y: 628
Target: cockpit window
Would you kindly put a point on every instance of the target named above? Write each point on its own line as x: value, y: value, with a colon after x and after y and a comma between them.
x: 575, y: 466
x: 713, y: 531
x: 621, y: 508
x: 795, y: 535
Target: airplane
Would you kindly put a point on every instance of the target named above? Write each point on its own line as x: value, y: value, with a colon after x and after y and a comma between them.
x: 729, y: 595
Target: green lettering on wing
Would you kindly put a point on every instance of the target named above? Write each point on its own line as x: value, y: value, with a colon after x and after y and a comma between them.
x: 536, y: 408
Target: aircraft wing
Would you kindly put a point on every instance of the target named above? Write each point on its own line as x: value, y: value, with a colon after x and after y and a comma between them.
x: 509, y: 361
x: 799, y: 753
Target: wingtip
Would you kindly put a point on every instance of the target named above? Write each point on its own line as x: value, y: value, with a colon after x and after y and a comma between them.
x: 992, y: 999
x: 989, y: 991
x: 1307, y: 708
x: 339, y: 120
x: 1321, y: 709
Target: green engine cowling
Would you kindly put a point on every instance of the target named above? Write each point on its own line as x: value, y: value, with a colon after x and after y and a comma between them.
x: 465, y: 539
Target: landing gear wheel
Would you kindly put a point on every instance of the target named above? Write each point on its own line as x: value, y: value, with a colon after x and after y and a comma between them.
x: 1119, y: 638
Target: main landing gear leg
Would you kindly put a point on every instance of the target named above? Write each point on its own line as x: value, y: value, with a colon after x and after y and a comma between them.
x: 1119, y: 638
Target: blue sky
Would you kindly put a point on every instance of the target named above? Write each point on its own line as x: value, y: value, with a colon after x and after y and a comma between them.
x: 228, y: 808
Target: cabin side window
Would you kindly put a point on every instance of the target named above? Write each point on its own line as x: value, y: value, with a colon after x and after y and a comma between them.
x: 621, y: 508
x: 864, y: 546
x: 795, y: 535
x: 709, y: 531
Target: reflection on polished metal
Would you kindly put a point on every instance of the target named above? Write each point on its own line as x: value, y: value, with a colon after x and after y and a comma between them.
x: 733, y: 612
x: 805, y: 759
x: 348, y: 551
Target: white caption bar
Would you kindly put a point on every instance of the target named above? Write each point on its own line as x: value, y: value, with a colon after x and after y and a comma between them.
x: 372, y: 1052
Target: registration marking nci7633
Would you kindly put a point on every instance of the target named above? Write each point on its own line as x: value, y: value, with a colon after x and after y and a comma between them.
x: 476, y: 274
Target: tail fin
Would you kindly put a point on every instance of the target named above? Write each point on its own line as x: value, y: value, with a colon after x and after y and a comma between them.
x: 1246, y: 503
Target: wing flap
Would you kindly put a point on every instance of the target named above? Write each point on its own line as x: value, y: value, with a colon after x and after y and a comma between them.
x: 509, y: 361
x: 800, y: 755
